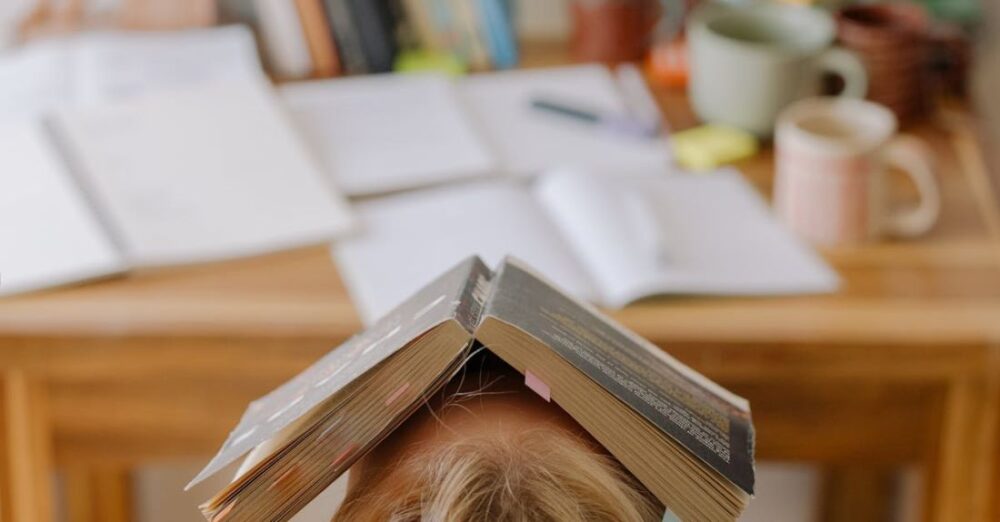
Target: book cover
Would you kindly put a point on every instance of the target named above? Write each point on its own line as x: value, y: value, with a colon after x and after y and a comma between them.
x: 346, y: 37
x: 284, y: 40
x: 455, y: 295
x: 376, y: 30
x: 418, y: 15
x: 319, y: 38
x: 498, y: 29
x: 471, y: 41
x: 708, y: 420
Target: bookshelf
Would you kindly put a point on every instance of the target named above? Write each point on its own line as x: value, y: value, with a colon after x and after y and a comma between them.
x: 303, y: 39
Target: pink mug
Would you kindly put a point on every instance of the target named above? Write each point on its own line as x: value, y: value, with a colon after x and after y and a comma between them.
x: 833, y: 156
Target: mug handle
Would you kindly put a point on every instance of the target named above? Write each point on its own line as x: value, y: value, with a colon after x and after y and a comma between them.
x: 848, y: 66
x: 911, y: 156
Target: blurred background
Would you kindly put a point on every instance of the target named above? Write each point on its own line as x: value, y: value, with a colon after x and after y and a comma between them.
x: 125, y: 363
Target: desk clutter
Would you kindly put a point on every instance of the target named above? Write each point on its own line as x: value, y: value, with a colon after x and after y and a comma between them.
x: 125, y: 152
x: 200, y: 159
x: 132, y: 150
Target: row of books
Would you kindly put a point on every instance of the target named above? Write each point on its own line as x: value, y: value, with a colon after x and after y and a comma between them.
x: 325, y: 38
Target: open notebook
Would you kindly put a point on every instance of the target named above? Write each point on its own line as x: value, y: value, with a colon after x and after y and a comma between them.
x: 94, y: 68
x: 606, y: 240
x: 441, y: 128
x: 178, y: 176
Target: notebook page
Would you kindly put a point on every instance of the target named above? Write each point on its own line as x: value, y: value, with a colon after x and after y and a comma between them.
x: 527, y: 140
x: 118, y: 65
x: 384, y: 133
x: 48, y: 233
x: 406, y: 239
x: 34, y: 79
x: 202, y: 174
x: 679, y: 234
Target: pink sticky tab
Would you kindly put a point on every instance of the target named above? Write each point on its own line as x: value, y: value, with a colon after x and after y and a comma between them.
x: 397, y: 394
x: 532, y: 381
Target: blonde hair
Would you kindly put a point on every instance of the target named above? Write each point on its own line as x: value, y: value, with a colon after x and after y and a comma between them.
x: 541, y: 475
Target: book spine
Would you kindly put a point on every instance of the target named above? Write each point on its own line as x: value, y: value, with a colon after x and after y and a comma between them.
x: 319, y: 38
x: 508, y: 9
x: 419, y: 16
x: 471, y: 45
x: 376, y: 30
x: 442, y: 20
x: 346, y: 36
x: 497, y: 26
x: 284, y: 40
x: 238, y: 12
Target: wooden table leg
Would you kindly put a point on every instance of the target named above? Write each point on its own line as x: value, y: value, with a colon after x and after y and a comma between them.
x: 25, y: 450
x: 962, y: 482
x: 858, y: 494
x: 98, y: 495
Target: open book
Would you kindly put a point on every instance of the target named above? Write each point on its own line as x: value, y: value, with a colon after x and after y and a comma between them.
x: 606, y: 240
x: 441, y: 128
x: 689, y: 441
x: 198, y: 174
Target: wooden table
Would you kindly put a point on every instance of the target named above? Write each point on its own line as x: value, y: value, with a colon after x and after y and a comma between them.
x: 901, y: 368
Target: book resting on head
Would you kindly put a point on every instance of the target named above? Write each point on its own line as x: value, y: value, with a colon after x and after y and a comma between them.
x: 686, y: 439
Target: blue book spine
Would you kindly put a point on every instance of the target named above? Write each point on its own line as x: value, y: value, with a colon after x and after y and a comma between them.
x: 498, y: 27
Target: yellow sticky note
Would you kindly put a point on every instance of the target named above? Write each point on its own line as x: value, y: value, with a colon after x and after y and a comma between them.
x: 709, y: 146
x: 428, y: 61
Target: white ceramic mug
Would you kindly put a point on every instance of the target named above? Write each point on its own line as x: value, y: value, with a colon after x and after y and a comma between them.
x: 832, y: 157
x: 749, y: 62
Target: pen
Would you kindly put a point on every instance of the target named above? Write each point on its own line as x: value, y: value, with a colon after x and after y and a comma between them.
x: 615, y: 123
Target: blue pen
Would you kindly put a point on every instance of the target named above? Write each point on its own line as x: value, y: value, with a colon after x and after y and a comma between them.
x: 613, y: 122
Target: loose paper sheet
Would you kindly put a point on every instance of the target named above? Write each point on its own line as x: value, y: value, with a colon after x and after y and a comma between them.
x: 94, y: 68
x: 384, y: 133
x: 528, y: 140
x: 118, y: 65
